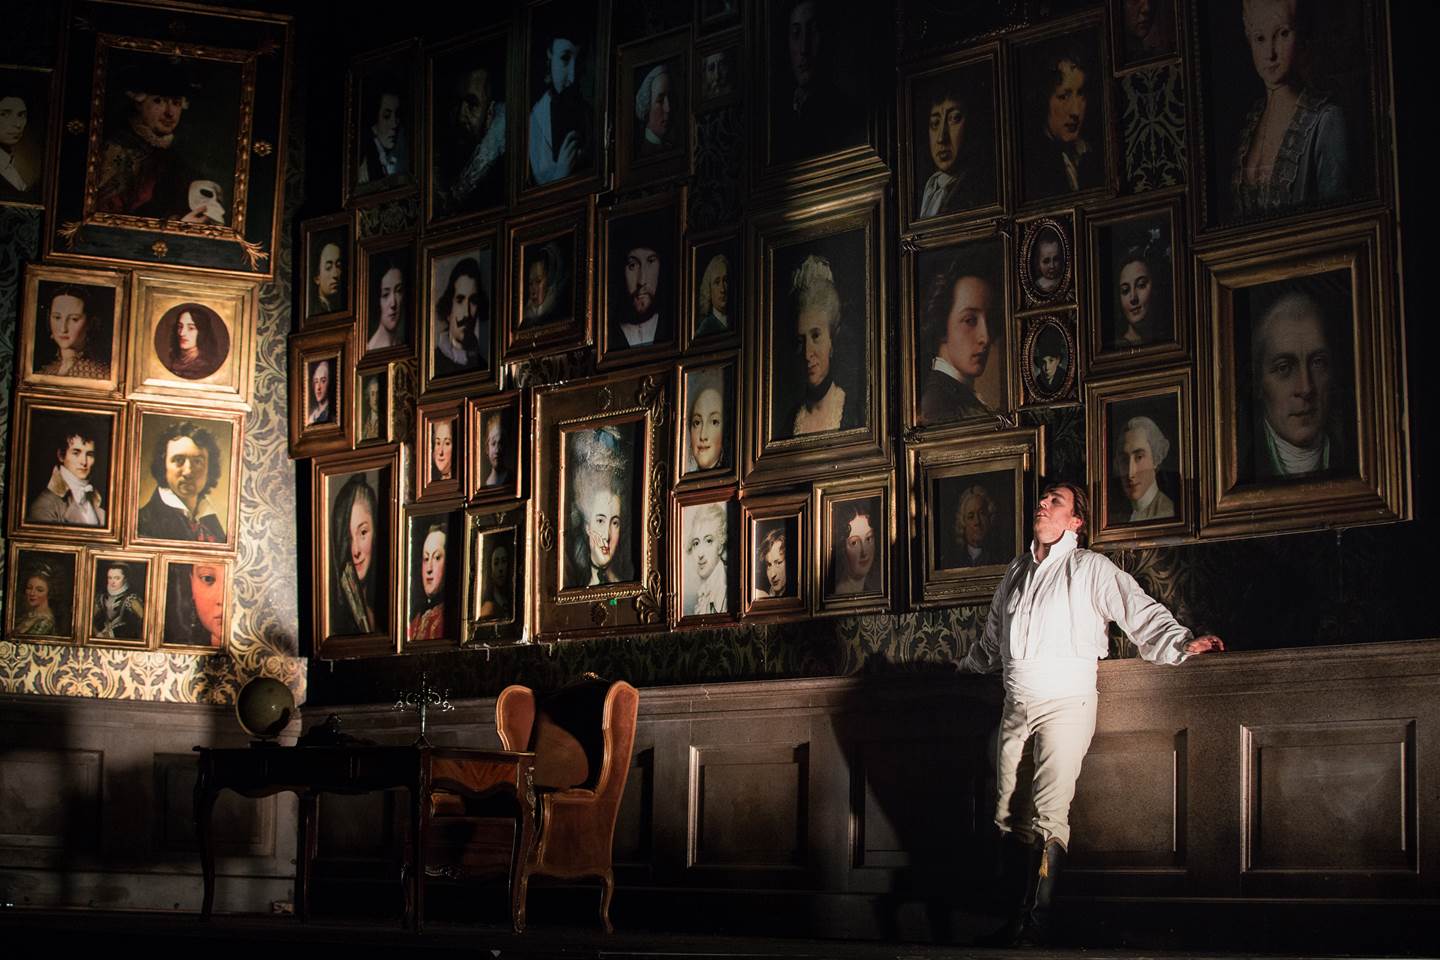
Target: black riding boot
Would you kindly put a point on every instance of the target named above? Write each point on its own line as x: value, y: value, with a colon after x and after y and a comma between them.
x: 1035, y: 930
x: 1019, y: 870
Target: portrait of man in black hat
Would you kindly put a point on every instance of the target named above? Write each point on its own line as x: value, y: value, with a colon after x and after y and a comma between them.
x: 146, y: 166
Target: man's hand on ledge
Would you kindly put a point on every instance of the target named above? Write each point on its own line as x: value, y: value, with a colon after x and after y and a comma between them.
x: 1206, y: 644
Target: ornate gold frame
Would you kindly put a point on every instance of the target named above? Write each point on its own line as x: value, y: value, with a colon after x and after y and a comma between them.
x: 375, y: 246
x: 308, y: 230
x: 141, y: 479
x: 827, y: 495
x: 695, y: 274
x: 917, y: 73
x: 30, y: 329
x: 476, y: 410
x: 854, y: 208
x: 387, y: 424
x: 638, y: 397
x: 728, y: 498
x: 755, y: 506
x: 162, y: 608
x: 1034, y: 325
x: 1176, y: 384
x: 912, y: 312
x: 353, y: 191
x: 733, y: 427
x: 149, y: 631
x: 609, y: 354
x: 1380, y: 492
x: 384, y: 641
x: 474, y: 40
x: 943, y: 456
x: 426, y: 416
x: 333, y: 344
x: 490, y: 632
x: 472, y: 381
x: 632, y: 171
x: 1031, y: 296
x: 422, y: 511
x: 16, y: 604
x: 152, y: 294
x: 116, y: 500
x: 572, y: 222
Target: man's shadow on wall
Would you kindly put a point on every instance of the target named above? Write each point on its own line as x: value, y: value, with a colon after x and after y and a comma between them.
x: 918, y: 743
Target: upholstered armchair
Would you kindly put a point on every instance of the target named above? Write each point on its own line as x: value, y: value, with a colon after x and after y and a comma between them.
x: 582, y: 736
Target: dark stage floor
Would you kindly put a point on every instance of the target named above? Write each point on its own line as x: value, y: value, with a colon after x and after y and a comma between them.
x: 63, y: 933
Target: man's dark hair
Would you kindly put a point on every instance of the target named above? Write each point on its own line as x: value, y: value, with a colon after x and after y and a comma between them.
x: 1080, y: 505
x: 1050, y: 343
x: 941, y: 296
x: 73, y: 430
x: 469, y: 267
x: 202, y: 438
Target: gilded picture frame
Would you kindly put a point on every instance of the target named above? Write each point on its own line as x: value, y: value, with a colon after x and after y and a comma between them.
x: 87, y: 439
x: 73, y: 330
x: 550, y: 265
x: 498, y: 428
x: 434, y: 583
x: 328, y: 247
x: 952, y: 153
x: 31, y: 166
x: 467, y: 179
x: 1061, y: 156
x: 1050, y: 360
x: 574, y: 31
x: 382, y: 122
x: 1345, y: 455
x: 44, y: 586
x: 719, y: 75
x: 777, y: 568
x: 708, y: 421
x: 1044, y: 282
x: 1137, y: 286
x: 970, y: 502
x: 440, y: 450
x: 322, y: 404
x: 600, y: 453
x: 357, y: 611
x: 1140, y: 460
x: 374, y: 402
x: 195, y: 610
x: 854, y: 540
x: 496, y: 576
x: 714, y: 305
x: 705, y: 557
x: 653, y: 75
x: 640, y: 277
x: 185, y: 488
x: 192, y: 338
x: 120, y: 592
x: 214, y: 200
x: 956, y: 307
x: 462, y: 277
x: 389, y: 298
x: 830, y: 254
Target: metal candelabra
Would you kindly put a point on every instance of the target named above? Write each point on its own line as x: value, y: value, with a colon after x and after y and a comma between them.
x: 422, y: 700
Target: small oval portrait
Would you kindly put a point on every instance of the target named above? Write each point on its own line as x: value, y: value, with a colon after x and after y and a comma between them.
x: 191, y: 341
x: 1049, y: 361
x: 1046, y: 263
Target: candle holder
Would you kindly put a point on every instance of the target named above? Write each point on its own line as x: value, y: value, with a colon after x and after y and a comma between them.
x: 421, y: 700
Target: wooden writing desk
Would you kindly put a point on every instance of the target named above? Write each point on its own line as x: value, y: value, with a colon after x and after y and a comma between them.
x: 310, y: 771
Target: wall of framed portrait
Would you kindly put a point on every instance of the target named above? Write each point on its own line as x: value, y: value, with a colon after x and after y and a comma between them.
x: 1039, y: 254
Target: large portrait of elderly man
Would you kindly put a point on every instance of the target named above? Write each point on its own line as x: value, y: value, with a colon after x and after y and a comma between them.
x: 1294, y: 402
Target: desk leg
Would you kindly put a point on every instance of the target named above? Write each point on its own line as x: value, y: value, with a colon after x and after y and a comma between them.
x: 306, y: 844
x: 524, y: 842
x: 419, y: 825
x: 204, y: 804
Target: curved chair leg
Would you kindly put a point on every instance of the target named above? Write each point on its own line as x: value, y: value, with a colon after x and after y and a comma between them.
x: 607, y: 892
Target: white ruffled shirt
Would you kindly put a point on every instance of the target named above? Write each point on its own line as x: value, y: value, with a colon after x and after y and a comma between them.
x: 1047, y: 624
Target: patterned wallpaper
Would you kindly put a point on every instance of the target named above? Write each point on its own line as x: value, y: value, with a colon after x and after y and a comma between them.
x: 266, y: 623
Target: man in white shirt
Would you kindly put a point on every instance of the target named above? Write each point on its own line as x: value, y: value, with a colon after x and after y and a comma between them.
x: 1045, y: 631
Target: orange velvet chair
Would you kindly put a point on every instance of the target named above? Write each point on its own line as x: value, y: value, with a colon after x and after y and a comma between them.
x: 583, y: 736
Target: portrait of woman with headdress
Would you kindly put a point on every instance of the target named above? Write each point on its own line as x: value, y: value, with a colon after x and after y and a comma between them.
x: 599, y: 538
